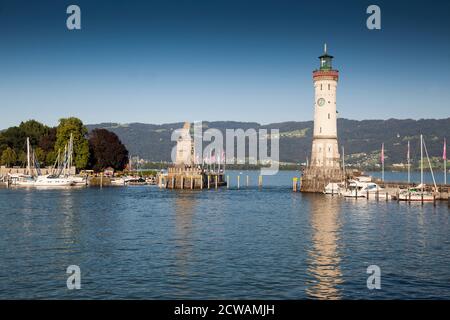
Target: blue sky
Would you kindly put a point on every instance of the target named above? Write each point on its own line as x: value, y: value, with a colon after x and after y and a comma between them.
x: 246, y: 60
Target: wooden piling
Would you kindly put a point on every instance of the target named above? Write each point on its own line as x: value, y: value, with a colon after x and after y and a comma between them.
x: 228, y: 182
x: 247, y: 181
x: 294, y: 184
x: 216, y: 181
x: 101, y: 180
x: 192, y: 183
x: 182, y: 182
x: 209, y: 181
x: 238, y: 179
x: 260, y: 181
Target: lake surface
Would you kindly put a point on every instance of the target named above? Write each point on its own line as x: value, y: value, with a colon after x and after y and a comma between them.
x: 147, y: 243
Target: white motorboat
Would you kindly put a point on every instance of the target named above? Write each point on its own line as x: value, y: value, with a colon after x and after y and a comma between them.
x: 78, y: 180
x: 117, y: 181
x: 135, y: 181
x: 359, y: 189
x: 333, y: 188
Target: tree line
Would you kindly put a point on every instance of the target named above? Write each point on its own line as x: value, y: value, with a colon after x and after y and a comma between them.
x: 94, y: 150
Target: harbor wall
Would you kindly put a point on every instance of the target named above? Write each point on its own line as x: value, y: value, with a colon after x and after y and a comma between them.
x: 4, y: 171
x: 315, y: 179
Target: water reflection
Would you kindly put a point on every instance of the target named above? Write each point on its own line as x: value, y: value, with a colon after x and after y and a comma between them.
x: 69, y: 228
x: 184, y: 213
x: 323, y: 257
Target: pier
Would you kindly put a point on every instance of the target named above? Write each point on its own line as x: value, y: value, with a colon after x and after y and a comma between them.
x: 391, y: 189
x: 191, y: 177
x: 442, y: 192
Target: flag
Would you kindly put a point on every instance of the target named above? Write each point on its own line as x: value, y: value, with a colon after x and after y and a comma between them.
x: 382, y: 153
x: 444, y: 153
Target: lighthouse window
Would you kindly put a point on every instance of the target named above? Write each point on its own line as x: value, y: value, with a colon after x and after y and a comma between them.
x: 328, y: 116
x: 328, y: 86
x: 320, y: 87
x: 320, y: 129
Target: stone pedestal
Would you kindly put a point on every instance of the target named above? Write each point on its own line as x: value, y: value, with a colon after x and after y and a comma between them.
x: 315, y: 179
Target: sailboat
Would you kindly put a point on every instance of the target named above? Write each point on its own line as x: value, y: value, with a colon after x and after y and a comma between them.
x: 418, y: 193
x: 76, y: 180
x: 27, y: 179
x: 52, y: 180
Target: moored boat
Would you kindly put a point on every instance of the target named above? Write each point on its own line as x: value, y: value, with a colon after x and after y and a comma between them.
x: 359, y: 189
x: 52, y: 181
x: 333, y: 188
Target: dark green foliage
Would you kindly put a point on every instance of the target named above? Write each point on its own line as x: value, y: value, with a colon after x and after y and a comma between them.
x: 106, y: 150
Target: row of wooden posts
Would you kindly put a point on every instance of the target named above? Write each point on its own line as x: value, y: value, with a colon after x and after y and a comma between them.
x: 238, y: 185
x: 260, y: 181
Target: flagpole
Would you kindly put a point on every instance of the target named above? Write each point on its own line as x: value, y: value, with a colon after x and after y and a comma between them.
x: 445, y: 171
x: 382, y: 162
x: 445, y: 161
x: 409, y: 165
x: 421, y: 161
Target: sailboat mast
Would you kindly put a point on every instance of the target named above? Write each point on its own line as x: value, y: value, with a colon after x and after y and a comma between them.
x: 70, y: 153
x: 429, y: 164
x: 28, y: 157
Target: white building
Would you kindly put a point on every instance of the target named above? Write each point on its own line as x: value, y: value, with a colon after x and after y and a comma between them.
x: 325, y: 150
x: 325, y: 165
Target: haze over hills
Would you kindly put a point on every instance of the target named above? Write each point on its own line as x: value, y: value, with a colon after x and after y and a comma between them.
x: 362, y: 139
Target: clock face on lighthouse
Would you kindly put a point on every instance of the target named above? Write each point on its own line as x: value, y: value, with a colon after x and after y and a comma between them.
x: 321, y: 102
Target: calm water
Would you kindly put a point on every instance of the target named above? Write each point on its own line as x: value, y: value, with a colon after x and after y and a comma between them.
x: 143, y: 242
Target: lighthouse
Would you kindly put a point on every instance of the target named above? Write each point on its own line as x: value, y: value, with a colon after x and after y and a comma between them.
x: 324, y: 166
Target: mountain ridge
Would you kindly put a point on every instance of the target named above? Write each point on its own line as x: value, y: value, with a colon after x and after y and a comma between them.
x: 361, y: 138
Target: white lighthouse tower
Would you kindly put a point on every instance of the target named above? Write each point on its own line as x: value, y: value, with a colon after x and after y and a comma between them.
x: 325, y: 164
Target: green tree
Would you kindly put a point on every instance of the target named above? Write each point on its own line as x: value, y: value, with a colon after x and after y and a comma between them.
x: 40, y: 156
x: 22, y: 158
x: 34, y: 130
x: 50, y: 158
x: 9, y: 157
x: 14, y: 138
x: 73, y: 126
